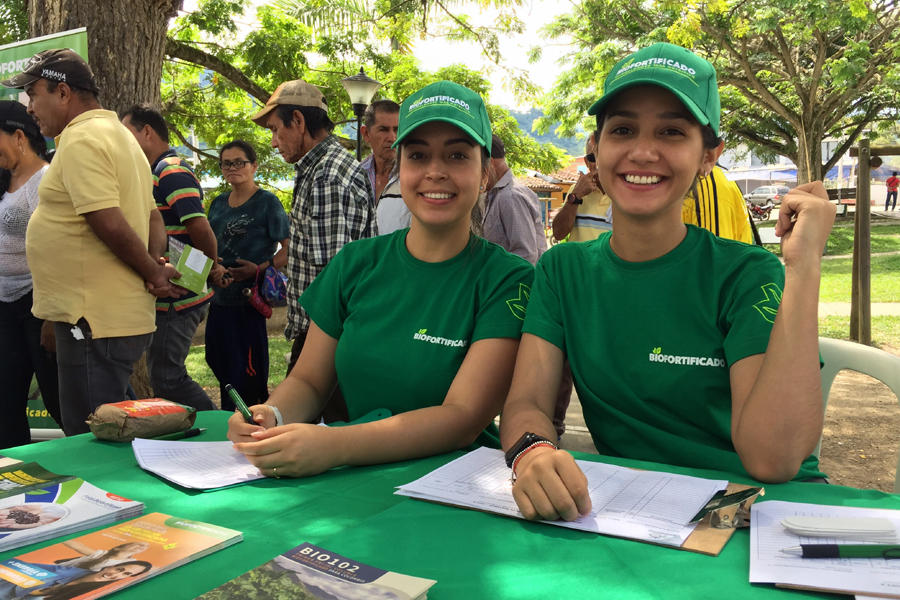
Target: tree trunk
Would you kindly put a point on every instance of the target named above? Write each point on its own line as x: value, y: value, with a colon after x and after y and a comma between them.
x: 126, y: 42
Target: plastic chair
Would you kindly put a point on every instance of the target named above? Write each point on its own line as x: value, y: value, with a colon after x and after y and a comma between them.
x: 840, y: 354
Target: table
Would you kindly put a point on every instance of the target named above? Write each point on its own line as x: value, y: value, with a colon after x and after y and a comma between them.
x: 472, y: 555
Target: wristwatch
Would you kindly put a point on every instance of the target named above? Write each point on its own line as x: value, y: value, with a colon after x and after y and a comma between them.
x: 573, y: 199
x: 525, y: 441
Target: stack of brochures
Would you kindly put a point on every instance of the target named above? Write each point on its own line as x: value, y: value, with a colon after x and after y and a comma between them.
x: 57, y: 509
x: 102, y: 562
x: 308, y: 571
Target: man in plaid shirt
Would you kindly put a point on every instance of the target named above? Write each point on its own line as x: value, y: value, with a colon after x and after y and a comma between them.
x: 333, y: 201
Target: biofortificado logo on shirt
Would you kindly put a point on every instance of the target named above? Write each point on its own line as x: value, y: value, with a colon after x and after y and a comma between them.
x: 656, y: 356
x: 422, y: 335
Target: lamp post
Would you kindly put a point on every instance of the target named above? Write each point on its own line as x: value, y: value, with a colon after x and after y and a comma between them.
x: 360, y: 88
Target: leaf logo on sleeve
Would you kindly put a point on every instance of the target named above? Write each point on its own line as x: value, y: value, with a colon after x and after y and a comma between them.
x: 519, y: 304
x: 768, y: 306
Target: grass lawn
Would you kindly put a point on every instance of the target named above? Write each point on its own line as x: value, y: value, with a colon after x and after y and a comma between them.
x: 885, y: 330
x: 884, y: 238
x: 835, y: 286
x: 199, y: 370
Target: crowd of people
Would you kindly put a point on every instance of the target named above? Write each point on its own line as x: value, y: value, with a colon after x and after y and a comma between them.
x: 421, y: 301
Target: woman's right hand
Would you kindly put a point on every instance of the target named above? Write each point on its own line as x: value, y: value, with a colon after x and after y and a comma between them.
x: 549, y: 485
x: 239, y: 430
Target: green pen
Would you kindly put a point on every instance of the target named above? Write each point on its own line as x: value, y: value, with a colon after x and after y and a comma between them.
x: 239, y: 403
x: 845, y: 550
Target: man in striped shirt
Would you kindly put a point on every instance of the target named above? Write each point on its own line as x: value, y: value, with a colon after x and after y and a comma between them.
x: 179, y: 199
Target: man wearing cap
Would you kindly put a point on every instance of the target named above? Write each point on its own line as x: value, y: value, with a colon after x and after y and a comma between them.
x: 179, y: 199
x: 333, y: 202
x: 512, y: 213
x: 87, y: 242
x: 587, y: 210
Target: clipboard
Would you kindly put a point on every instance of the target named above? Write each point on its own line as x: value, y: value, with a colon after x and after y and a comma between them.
x: 718, y: 525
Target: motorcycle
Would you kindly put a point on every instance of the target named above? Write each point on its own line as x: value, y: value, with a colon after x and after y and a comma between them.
x: 760, y: 212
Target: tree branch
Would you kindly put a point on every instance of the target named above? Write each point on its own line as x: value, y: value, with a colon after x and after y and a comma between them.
x: 186, y: 52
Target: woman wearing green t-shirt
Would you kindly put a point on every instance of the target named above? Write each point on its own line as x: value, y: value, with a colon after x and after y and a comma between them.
x: 680, y: 351
x: 422, y: 322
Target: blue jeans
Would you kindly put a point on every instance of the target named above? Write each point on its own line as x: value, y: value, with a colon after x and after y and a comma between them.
x: 92, y: 371
x: 168, y: 351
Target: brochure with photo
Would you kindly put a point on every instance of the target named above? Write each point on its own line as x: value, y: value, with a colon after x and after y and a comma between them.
x: 21, y: 477
x: 59, y: 509
x: 99, y: 563
x: 308, y: 572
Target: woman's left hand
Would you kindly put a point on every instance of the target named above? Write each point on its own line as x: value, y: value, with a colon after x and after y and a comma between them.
x: 244, y: 270
x: 805, y: 218
x: 293, y: 450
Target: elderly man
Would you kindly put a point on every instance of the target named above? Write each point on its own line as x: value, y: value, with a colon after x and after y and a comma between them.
x: 179, y: 198
x: 87, y: 242
x: 512, y: 212
x: 333, y: 201
x: 379, y: 130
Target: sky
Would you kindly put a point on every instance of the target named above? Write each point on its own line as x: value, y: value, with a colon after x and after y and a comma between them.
x: 436, y: 53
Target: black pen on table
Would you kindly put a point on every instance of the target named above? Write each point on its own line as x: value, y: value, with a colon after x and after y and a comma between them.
x: 845, y: 550
x: 180, y: 435
x: 239, y: 403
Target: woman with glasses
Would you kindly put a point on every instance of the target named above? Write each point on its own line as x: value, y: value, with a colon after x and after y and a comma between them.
x: 249, y: 223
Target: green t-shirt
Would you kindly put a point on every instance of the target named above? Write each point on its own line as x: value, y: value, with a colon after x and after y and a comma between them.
x: 404, y: 326
x: 650, y: 344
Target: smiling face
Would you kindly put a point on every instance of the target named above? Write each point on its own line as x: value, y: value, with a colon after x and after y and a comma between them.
x: 117, y: 572
x: 441, y: 175
x: 649, y: 152
x: 381, y: 135
x: 233, y: 174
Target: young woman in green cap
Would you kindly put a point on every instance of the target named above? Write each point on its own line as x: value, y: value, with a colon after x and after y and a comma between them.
x: 423, y: 322
x: 686, y: 348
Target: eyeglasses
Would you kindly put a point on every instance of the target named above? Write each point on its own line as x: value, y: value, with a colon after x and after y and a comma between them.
x: 590, y: 157
x: 234, y: 164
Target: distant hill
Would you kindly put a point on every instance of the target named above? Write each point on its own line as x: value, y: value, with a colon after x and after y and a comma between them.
x: 573, y: 146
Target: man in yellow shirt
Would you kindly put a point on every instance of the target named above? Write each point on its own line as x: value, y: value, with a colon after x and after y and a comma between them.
x: 586, y: 212
x: 718, y: 206
x: 87, y: 242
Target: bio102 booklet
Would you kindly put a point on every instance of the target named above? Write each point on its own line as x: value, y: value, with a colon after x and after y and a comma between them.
x: 308, y: 572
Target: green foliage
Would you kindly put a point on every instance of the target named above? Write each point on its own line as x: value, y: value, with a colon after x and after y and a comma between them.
x: 13, y: 21
x: 791, y: 73
x: 216, y: 108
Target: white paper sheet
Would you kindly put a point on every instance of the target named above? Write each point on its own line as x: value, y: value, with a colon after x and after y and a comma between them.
x: 641, y: 505
x: 196, y: 465
x: 768, y: 564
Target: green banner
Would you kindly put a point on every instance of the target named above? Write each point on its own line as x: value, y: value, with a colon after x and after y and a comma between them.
x: 14, y: 56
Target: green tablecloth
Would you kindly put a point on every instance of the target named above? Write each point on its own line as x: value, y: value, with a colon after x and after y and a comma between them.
x: 473, y: 555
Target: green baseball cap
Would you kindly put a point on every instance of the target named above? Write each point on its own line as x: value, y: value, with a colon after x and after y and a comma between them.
x: 449, y: 102
x: 691, y: 78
